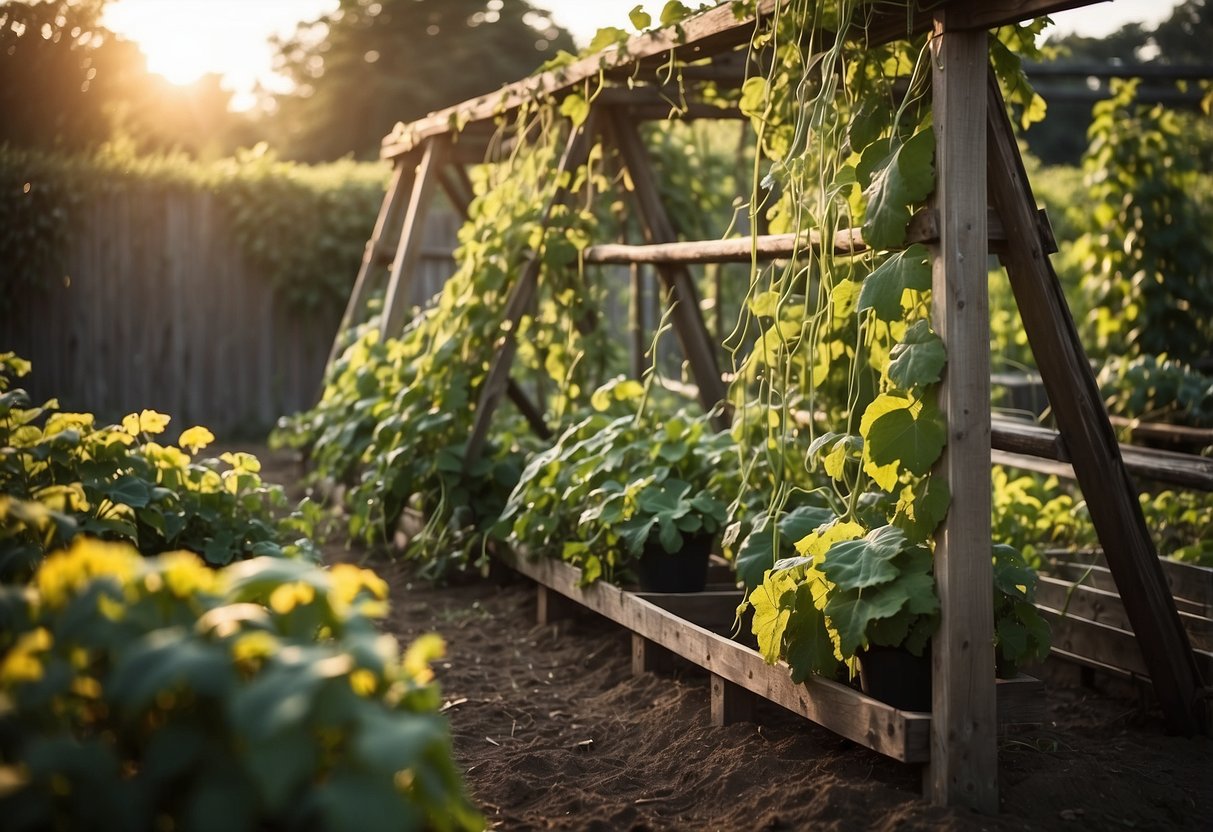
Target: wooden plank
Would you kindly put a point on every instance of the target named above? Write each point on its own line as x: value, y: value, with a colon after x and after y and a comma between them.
x: 710, y: 33
x: 1108, y: 645
x: 1105, y: 607
x: 522, y: 293
x: 1189, y: 584
x: 715, y: 611
x: 923, y: 228
x: 1171, y: 467
x: 844, y: 710
x: 408, y: 250
x: 1095, y: 454
x: 964, y: 753
x: 393, y: 199
x: 730, y: 703
x: 686, y: 316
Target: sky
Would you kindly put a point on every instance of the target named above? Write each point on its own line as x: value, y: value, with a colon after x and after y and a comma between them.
x: 185, y: 39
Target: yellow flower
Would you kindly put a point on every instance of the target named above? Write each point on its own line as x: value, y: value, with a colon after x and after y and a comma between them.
x: 64, y: 573
x: 287, y: 596
x: 255, y: 645
x: 421, y: 652
x: 66, y: 498
x: 363, y: 682
x: 22, y: 664
x: 59, y: 422
x: 148, y: 421
x: 242, y: 462
x: 111, y: 609
x: 186, y: 574
x: 195, y: 439
x: 165, y: 457
x: 86, y: 687
x: 348, y: 580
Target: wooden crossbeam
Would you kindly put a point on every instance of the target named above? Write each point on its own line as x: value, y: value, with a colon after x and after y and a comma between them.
x: 522, y: 294
x: 685, y: 315
x: 964, y: 727
x: 714, y: 32
x: 389, y: 215
x: 1089, y: 437
x: 408, y: 251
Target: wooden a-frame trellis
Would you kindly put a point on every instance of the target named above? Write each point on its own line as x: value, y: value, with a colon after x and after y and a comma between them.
x: 983, y: 202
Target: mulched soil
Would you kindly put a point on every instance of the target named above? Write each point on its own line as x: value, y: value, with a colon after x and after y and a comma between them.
x: 554, y: 732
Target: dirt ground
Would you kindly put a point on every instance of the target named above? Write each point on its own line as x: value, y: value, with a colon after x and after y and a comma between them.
x: 554, y: 732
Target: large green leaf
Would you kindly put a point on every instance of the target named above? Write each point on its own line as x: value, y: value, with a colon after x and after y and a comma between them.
x: 854, y: 564
x: 760, y: 550
x: 852, y: 611
x: 921, y: 507
x: 809, y: 646
x: 165, y: 660
x: 883, y: 289
x: 912, y: 436
x: 919, y: 359
x: 907, y: 177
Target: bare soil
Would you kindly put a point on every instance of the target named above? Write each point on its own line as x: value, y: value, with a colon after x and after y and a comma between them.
x: 554, y: 732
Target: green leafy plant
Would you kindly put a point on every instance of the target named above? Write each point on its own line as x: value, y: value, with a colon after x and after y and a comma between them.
x: 1157, y: 389
x: 628, y: 476
x: 145, y: 693
x: 118, y: 482
x: 1021, y: 635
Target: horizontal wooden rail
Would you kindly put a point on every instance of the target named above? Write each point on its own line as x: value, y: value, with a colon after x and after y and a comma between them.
x: 1191, y: 585
x: 1105, y: 607
x: 1107, y: 645
x: 714, y: 32
x: 1027, y: 440
x: 902, y: 735
x: 923, y: 228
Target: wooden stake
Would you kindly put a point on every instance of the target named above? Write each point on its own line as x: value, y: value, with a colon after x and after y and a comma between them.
x: 964, y: 757
x: 400, y: 281
x: 697, y: 344
x: 1089, y: 439
x: 730, y: 703
x: 389, y: 211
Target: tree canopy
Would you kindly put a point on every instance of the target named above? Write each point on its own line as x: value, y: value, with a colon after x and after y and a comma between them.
x: 371, y: 63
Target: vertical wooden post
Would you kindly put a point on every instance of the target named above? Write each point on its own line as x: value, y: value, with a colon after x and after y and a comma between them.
x: 1090, y: 441
x: 551, y: 606
x: 393, y: 202
x: 400, y: 282
x: 687, y: 318
x: 730, y: 703
x: 964, y: 755
x: 650, y: 657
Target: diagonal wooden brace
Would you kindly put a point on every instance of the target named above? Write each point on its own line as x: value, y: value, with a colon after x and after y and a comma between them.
x: 1084, y: 425
x: 522, y: 294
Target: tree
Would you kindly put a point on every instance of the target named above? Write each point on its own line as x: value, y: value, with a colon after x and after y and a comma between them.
x: 372, y: 63
x: 60, y: 71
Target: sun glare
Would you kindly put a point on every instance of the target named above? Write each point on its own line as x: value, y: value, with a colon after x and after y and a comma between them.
x: 184, y: 40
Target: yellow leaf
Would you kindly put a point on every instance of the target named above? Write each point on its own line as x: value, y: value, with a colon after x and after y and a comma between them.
x: 195, y: 439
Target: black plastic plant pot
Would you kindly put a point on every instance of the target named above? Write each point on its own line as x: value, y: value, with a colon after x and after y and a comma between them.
x: 896, y: 677
x: 683, y: 571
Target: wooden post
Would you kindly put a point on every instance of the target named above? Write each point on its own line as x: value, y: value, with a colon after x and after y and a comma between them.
x: 551, y: 606
x: 650, y: 657
x: 687, y: 317
x: 400, y: 282
x: 964, y: 757
x: 730, y: 703
x: 1089, y: 438
x: 636, y: 327
x: 521, y: 295
x: 389, y: 211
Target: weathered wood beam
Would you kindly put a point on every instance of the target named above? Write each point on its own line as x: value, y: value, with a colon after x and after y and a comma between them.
x: 408, y: 251
x: 400, y: 183
x: 964, y: 727
x: 685, y: 314
x: 1090, y: 440
x: 714, y: 32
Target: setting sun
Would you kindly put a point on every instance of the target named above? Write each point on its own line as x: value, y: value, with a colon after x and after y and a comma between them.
x: 186, y: 39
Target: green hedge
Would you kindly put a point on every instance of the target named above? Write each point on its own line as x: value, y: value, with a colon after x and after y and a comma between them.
x: 303, y: 228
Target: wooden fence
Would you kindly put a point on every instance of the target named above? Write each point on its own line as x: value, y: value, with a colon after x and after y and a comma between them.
x: 157, y: 309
